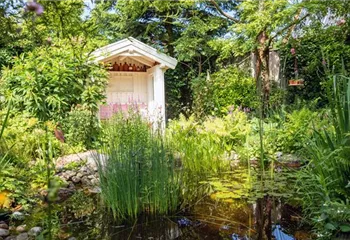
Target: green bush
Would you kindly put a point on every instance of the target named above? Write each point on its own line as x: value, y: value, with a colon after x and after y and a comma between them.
x: 25, y: 135
x: 225, y: 88
x: 49, y: 81
x: 290, y: 131
x: 324, y: 184
x: 81, y: 127
x: 201, y: 145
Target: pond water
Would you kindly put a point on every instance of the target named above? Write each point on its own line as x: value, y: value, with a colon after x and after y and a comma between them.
x: 207, y: 219
x: 224, y: 212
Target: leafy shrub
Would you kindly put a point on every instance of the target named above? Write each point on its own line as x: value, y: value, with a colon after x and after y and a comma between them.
x: 201, y: 145
x: 80, y: 127
x: 290, y: 131
x: 223, y: 89
x: 324, y: 183
x: 24, y: 136
x: 136, y: 169
x: 48, y: 81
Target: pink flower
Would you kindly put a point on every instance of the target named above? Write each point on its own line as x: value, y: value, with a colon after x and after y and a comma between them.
x: 292, y: 51
x: 34, y: 7
x: 324, y: 62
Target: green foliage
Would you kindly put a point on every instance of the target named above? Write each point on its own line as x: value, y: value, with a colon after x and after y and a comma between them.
x: 80, y: 127
x: 325, y: 181
x: 49, y: 81
x: 24, y: 136
x: 316, y: 51
x: 290, y: 131
x: 136, y: 170
x: 201, y: 145
x: 224, y: 89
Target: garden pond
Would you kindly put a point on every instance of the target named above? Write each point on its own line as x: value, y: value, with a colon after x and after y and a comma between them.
x: 224, y: 212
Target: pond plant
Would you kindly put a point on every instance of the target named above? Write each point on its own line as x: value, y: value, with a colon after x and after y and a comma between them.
x: 137, y: 170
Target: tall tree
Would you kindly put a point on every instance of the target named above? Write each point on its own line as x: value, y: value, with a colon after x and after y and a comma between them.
x: 181, y: 29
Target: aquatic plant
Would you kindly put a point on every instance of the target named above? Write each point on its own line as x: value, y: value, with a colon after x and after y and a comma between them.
x: 136, y: 169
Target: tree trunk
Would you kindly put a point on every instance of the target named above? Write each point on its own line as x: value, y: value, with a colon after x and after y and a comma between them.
x: 264, y: 71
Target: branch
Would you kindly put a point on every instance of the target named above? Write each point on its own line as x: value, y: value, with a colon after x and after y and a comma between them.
x: 223, y: 13
x: 288, y: 26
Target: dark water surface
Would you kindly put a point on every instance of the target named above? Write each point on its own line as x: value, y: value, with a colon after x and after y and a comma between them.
x: 224, y: 213
x: 207, y: 219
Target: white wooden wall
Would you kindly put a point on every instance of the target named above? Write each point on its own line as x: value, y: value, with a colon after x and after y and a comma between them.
x: 127, y: 87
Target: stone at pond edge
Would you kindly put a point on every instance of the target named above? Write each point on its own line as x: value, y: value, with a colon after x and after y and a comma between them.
x: 11, y: 237
x: 35, y: 231
x: 4, y: 226
x: 76, y: 179
x: 21, y: 228
x: 4, y: 232
x: 85, y: 181
x: 95, y: 190
x: 22, y: 236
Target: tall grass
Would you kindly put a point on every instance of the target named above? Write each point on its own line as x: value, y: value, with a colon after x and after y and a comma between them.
x: 137, y: 172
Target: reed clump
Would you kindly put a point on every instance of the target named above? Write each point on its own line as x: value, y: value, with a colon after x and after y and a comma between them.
x: 136, y: 169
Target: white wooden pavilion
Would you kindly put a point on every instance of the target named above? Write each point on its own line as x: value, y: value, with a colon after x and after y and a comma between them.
x: 136, y: 78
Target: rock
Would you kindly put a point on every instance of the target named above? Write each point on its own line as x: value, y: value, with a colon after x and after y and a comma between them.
x: 35, y: 231
x: 85, y: 181
x: 94, y: 181
x: 64, y: 194
x: 91, y: 177
x: 12, y: 237
x: 21, y: 228
x: 95, y: 190
x: 68, y: 174
x: 79, y: 175
x: 72, y: 238
x: 76, y: 179
x: 88, y: 156
x: 4, y: 232
x: 3, y: 225
x: 22, y: 236
x: 84, y: 170
x: 71, y: 185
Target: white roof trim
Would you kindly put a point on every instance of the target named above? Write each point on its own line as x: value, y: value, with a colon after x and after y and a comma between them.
x: 133, y: 46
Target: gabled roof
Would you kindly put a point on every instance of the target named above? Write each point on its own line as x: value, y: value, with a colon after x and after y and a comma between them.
x: 133, y: 48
